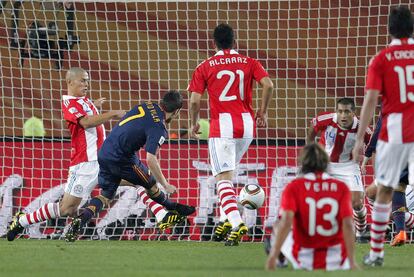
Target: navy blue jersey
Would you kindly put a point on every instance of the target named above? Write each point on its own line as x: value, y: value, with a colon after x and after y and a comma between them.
x: 142, y: 126
x: 374, y: 138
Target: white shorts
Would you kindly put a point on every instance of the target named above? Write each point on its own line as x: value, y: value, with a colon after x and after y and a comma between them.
x: 226, y: 153
x: 306, y: 256
x: 349, y: 173
x: 82, y: 179
x: 390, y: 161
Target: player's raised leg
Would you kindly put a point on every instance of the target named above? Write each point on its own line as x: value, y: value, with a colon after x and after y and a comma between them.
x: 165, y: 219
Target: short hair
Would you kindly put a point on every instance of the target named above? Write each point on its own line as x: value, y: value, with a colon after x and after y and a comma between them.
x: 224, y: 36
x: 73, y: 72
x: 400, y: 22
x: 346, y: 101
x: 172, y: 101
x: 313, y: 158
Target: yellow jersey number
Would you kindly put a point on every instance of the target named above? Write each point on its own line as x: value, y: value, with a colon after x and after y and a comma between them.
x: 141, y: 113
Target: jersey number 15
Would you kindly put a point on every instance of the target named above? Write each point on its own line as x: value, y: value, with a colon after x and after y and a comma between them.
x: 405, y: 78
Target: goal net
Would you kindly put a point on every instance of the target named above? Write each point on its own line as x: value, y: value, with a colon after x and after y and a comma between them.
x: 315, y: 52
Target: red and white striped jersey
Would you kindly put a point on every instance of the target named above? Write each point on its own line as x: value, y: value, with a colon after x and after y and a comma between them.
x: 228, y: 78
x: 85, y: 143
x: 391, y: 73
x: 338, y: 142
x: 319, y: 203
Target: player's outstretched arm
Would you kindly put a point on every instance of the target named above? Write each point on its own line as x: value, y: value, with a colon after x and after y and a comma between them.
x: 194, y: 114
x: 349, y: 238
x: 281, y: 229
x: 95, y: 120
x: 155, y: 169
x: 267, y: 92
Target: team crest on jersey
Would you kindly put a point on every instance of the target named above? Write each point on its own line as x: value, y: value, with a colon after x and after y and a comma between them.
x: 161, y: 141
x: 73, y: 110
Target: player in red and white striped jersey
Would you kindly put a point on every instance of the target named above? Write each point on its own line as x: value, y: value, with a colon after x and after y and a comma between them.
x: 319, y: 209
x: 390, y: 74
x: 87, y: 135
x: 228, y: 78
x: 337, y: 135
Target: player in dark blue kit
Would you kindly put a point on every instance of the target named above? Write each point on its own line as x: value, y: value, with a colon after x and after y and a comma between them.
x: 142, y: 127
x: 399, y: 206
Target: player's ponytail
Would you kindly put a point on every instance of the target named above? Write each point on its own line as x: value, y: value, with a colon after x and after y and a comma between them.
x: 313, y: 159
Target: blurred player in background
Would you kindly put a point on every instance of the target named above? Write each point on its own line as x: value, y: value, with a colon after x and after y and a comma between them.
x: 87, y: 135
x: 337, y: 135
x: 228, y: 78
x: 403, y: 218
x: 390, y: 74
x: 143, y: 126
x: 319, y: 209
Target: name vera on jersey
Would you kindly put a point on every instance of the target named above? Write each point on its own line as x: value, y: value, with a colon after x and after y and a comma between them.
x: 324, y: 186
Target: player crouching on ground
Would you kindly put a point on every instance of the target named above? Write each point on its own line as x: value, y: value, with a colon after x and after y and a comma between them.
x: 319, y: 209
x: 337, y: 135
x: 144, y: 126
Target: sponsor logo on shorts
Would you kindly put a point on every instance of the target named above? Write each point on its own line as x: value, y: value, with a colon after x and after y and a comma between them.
x: 78, y: 189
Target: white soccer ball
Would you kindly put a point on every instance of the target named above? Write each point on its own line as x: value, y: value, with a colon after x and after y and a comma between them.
x: 252, y: 196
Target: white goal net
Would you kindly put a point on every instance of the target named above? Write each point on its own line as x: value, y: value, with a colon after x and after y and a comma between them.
x: 315, y: 52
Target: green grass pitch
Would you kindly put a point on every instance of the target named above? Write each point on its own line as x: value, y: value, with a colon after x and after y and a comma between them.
x: 164, y: 258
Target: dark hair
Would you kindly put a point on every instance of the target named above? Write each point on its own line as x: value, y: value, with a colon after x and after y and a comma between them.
x: 313, y: 158
x: 400, y: 22
x: 172, y: 101
x: 224, y: 36
x: 346, y: 101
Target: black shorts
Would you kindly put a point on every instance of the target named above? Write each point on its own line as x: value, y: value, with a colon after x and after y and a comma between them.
x: 111, y: 173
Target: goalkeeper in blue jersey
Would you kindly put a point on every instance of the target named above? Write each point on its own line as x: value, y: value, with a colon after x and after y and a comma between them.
x: 142, y: 127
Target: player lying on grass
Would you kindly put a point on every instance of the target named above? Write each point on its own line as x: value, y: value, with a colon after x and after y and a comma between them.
x: 402, y: 217
x: 143, y: 126
x: 315, y: 230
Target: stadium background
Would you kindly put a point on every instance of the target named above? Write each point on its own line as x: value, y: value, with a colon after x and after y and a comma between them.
x: 315, y: 52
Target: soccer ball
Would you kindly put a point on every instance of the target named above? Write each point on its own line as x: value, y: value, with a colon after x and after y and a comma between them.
x: 252, y: 197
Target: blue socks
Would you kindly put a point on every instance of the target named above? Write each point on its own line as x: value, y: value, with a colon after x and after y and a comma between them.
x: 163, y: 200
x: 398, y: 210
x: 90, y: 209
